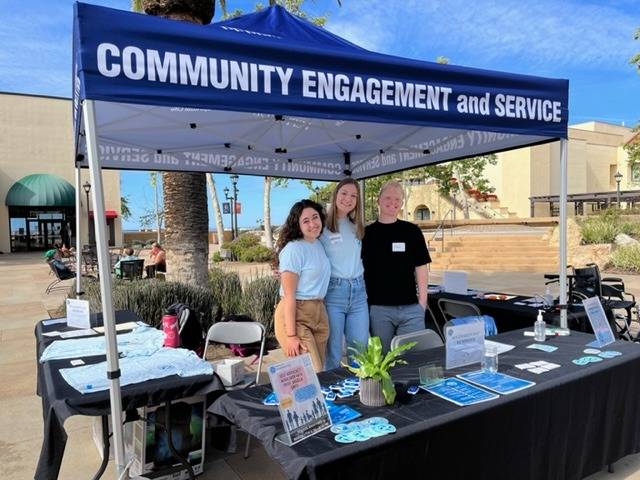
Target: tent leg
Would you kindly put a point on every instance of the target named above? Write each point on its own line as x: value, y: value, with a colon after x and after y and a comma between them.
x: 563, y: 233
x: 78, y: 239
x: 104, y: 271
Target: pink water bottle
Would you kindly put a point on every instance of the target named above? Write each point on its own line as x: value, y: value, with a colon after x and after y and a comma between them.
x: 170, y: 328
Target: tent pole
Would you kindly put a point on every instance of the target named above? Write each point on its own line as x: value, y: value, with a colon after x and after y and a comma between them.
x: 104, y: 269
x: 78, y: 239
x: 563, y: 233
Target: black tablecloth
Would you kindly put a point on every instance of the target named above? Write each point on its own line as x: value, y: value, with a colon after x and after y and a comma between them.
x: 509, y: 316
x: 60, y: 400
x: 575, y: 421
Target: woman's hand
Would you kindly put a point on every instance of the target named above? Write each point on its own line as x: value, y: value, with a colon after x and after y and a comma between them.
x: 294, y: 347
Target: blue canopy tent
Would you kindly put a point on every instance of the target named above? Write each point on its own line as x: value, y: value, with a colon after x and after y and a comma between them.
x: 271, y: 94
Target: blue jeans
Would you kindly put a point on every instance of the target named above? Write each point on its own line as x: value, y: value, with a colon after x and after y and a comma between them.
x: 346, y: 302
x: 387, y: 321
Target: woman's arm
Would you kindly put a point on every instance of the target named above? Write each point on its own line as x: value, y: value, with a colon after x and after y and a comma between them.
x: 292, y: 346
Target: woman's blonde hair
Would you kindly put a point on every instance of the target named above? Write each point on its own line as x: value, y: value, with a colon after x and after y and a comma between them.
x: 356, y: 215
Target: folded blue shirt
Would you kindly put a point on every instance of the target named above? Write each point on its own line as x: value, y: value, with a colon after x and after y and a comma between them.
x: 161, y: 363
x: 143, y: 340
x: 489, y: 323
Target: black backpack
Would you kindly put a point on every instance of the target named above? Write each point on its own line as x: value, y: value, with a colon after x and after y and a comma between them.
x: 189, y: 328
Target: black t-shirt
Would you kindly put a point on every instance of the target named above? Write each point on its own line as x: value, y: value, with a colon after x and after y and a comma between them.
x: 390, y: 254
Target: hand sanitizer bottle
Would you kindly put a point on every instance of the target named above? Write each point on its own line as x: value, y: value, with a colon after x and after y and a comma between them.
x: 548, y: 298
x: 539, y: 328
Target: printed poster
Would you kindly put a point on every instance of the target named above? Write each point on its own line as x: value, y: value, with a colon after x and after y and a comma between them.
x: 302, y: 405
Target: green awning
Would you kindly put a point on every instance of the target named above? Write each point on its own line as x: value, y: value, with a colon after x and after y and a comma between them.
x: 41, y: 190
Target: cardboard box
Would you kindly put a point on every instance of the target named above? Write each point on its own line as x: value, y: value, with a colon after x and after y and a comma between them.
x: 230, y: 370
x: 149, y: 445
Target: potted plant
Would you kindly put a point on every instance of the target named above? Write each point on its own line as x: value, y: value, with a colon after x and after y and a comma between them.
x: 376, y: 386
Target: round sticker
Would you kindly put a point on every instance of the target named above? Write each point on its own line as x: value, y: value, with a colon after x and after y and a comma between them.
x: 340, y: 428
x: 591, y: 351
x: 344, y: 438
x: 593, y: 359
x: 377, y: 420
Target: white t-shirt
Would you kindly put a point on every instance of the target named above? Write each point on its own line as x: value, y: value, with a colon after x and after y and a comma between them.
x: 309, y: 261
x: 343, y: 249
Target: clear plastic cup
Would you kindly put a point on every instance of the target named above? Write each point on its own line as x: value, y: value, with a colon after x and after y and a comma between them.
x: 490, y: 360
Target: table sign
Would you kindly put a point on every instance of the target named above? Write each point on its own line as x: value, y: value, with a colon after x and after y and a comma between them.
x: 464, y: 343
x: 455, y: 282
x: 301, y: 403
x: 496, y: 382
x: 78, y: 313
x: 461, y: 393
x: 599, y: 322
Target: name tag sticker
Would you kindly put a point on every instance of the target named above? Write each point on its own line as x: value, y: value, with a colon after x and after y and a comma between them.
x: 335, y: 238
x: 398, y: 247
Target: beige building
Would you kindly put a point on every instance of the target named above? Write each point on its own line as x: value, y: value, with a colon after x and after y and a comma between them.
x: 37, y: 177
x: 595, y: 155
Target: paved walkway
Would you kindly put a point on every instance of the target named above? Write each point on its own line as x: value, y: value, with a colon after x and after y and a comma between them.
x: 23, y: 279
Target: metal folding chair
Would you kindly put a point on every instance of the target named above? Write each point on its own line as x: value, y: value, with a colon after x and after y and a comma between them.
x: 425, y: 339
x: 239, y: 333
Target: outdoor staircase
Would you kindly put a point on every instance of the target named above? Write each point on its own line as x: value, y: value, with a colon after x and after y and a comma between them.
x: 494, y: 252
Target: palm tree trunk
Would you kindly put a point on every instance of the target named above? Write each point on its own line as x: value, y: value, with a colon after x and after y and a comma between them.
x: 266, y: 214
x: 186, y: 217
x: 216, y: 208
x: 186, y: 227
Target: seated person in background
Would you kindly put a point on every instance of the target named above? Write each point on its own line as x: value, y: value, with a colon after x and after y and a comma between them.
x: 128, y: 255
x: 157, y: 260
x: 62, y: 270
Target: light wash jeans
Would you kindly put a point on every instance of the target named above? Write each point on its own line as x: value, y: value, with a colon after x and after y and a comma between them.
x: 387, y: 321
x: 346, y: 302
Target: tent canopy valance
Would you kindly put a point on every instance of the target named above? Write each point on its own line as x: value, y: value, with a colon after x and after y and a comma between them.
x: 271, y: 94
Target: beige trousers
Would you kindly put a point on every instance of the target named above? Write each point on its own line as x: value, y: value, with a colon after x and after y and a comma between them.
x: 312, y: 328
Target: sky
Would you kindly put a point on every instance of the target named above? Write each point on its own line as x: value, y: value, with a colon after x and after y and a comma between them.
x: 587, y: 42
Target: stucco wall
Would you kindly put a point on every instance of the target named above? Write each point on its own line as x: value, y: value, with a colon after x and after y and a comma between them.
x: 36, y: 137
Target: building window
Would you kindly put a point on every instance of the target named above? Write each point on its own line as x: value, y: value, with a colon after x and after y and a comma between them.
x: 422, y: 213
x: 635, y: 173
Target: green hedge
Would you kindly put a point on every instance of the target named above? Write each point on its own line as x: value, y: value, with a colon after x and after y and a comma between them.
x: 627, y: 258
x: 247, y: 248
x: 259, y: 298
x: 226, y: 290
x: 149, y: 298
x: 604, y: 227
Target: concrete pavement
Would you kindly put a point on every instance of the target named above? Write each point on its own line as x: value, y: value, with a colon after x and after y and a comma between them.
x: 23, y: 279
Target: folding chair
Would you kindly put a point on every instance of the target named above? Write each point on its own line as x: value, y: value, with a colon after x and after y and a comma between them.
x: 454, y: 309
x: 60, y: 276
x: 132, y: 269
x: 239, y: 333
x: 425, y: 339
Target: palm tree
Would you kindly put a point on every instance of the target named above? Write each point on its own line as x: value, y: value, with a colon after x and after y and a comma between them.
x: 185, y: 194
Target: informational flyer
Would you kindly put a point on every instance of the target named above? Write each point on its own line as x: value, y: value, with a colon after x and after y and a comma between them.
x: 464, y: 343
x: 302, y: 405
x: 496, y: 382
x: 599, y: 322
x: 78, y: 313
x: 461, y: 393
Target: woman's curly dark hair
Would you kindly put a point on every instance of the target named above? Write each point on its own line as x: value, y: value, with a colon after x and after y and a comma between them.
x: 291, y: 229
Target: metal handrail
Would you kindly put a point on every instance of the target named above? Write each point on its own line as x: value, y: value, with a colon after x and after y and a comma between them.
x: 441, y: 228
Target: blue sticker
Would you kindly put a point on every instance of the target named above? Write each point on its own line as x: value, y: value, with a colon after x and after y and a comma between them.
x: 344, y: 438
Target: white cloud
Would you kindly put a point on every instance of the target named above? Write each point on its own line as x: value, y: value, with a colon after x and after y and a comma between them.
x: 548, y: 32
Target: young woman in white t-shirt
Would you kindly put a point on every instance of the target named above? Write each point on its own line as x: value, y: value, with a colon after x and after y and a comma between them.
x: 300, y: 318
x: 346, y: 298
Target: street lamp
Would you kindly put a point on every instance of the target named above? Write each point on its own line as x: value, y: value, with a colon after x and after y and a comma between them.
x: 234, y: 212
x: 230, y: 200
x: 87, y: 188
x: 618, y: 177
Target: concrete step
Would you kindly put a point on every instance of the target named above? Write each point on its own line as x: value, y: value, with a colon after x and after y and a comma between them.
x: 537, y: 268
